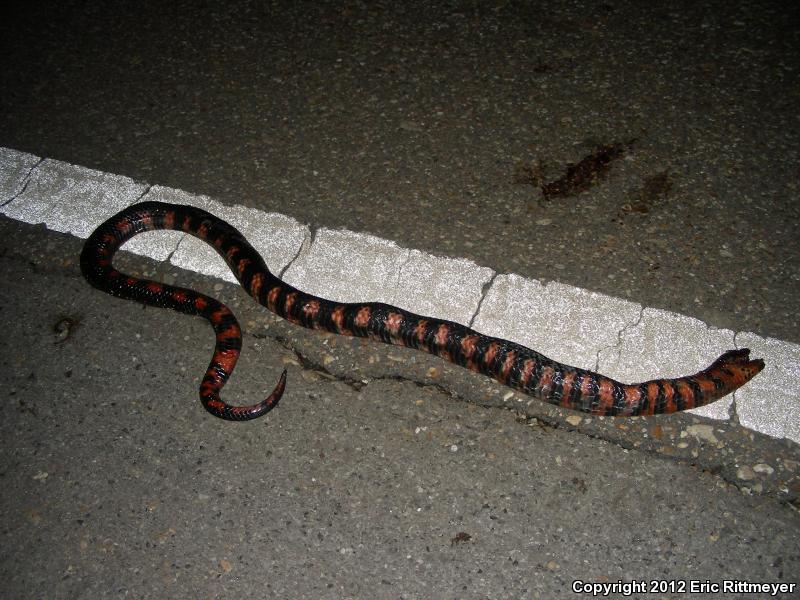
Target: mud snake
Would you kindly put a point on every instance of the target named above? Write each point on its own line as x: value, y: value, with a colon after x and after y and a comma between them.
x: 509, y: 363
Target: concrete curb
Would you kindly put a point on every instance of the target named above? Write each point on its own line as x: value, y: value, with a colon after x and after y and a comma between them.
x: 618, y: 338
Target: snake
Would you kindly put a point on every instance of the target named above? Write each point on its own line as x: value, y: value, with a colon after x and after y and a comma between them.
x: 509, y: 363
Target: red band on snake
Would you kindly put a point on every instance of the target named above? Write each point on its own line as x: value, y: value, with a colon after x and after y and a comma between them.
x: 511, y: 364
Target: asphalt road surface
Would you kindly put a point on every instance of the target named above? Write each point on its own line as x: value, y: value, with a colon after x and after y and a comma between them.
x: 432, y: 124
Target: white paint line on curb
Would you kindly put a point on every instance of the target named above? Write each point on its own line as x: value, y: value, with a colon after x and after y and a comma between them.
x: 620, y: 339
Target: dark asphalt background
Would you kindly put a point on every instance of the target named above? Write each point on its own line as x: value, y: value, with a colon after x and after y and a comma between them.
x: 412, y: 121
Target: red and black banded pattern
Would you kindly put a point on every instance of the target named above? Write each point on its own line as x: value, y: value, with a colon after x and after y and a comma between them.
x: 509, y: 363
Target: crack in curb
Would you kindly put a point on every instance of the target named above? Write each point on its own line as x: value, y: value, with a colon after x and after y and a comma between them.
x: 304, y: 248
x: 355, y: 384
x: 484, y: 292
x: 402, y: 266
x: 144, y: 193
x: 25, y: 182
x: 618, y: 344
x: 168, y: 259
